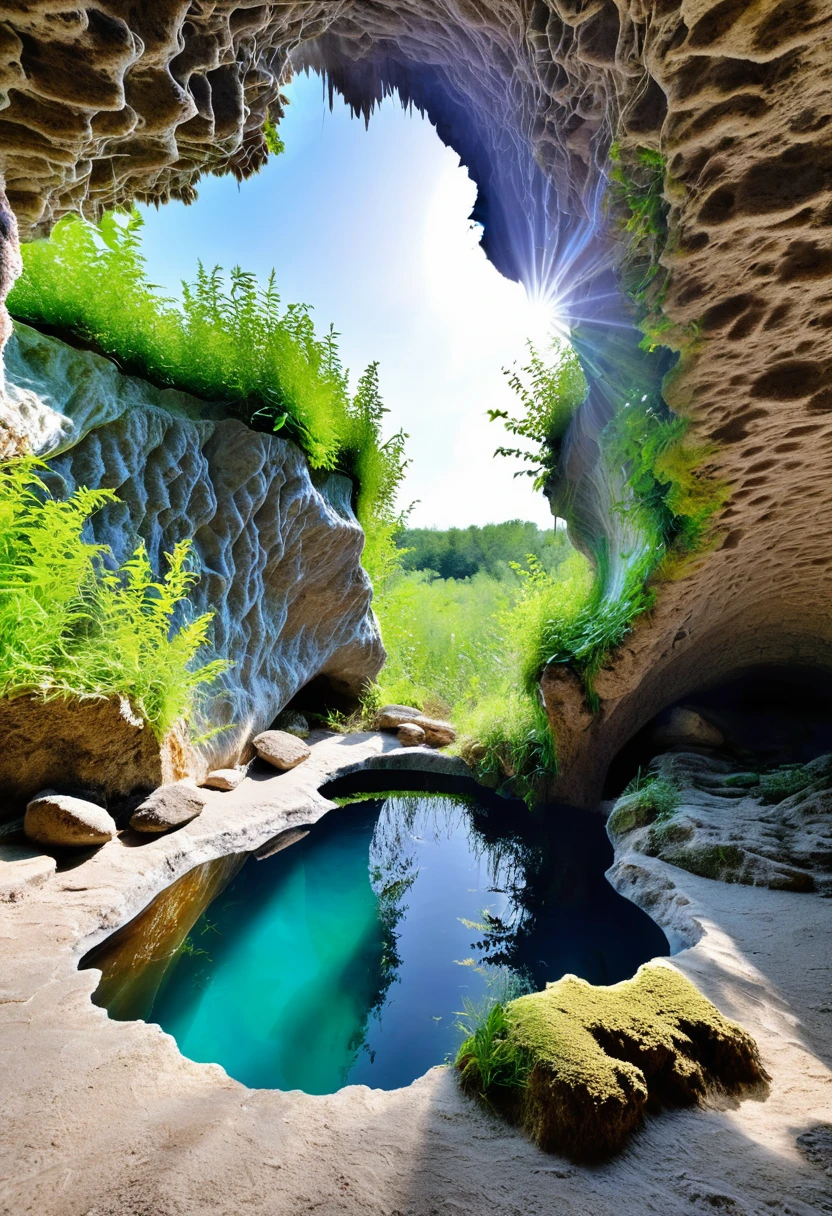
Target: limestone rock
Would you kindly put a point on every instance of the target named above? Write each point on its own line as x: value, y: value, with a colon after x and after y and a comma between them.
x: 437, y: 733
x: 22, y: 869
x: 170, y: 806
x: 280, y: 556
x: 775, y: 833
x: 686, y: 727
x: 94, y: 745
x: 410, y: 735
x: 224, y: 779
x: 391, y: 717
x: 280, y: 749
x: 62, y: 821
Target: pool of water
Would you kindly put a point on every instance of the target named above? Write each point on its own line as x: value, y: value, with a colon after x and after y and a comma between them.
x: 351, y: 956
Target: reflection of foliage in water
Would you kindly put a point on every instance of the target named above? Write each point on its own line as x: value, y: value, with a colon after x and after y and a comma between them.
x: 510, y: 860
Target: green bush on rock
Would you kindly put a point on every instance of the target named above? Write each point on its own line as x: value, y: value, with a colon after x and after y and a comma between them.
x: 227, y: 340
x: 584, y: 1061
x: 73, y: 626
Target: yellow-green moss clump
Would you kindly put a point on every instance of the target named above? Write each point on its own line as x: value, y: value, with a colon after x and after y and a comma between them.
x: 588, y: 1060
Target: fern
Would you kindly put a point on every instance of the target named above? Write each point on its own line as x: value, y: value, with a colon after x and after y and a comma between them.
x: 73, y: 627
x: 228, y: 339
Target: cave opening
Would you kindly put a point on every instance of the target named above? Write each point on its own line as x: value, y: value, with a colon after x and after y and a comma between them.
x: 768, y: 716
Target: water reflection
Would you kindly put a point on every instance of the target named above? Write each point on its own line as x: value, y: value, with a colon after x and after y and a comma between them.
x: 347, y: 957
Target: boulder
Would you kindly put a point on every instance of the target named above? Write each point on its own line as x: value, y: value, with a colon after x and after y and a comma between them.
x: 280, y: 749
x: 686, y: 727
x: 410, y: 735
x: 391, y: 717
x: 99, y: 746
x: 170, y: 806
x: 293, y: 722
x: 224, y: 779
x: 437, y: 733
x: 63, y: 821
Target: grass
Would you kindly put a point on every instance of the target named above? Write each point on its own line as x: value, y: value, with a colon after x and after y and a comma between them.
x: 228, y: 339
x: 74, y: 626
x: 649, y: 798
x: 579, y: 1063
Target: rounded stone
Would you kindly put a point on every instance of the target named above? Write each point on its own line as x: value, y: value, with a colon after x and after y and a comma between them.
x: 62, y: 821
x: 224, y: 779
x: 170, y: 806
x: 391, y: 717
x: 437, y: 733
x: 410, y: 735
x: 280, y: 749
x: 687, y: 727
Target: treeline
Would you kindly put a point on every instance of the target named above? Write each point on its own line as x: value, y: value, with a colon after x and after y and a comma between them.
x: 463, y: 552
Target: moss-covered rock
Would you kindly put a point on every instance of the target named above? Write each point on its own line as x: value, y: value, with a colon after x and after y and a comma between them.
x: 594, y: 1057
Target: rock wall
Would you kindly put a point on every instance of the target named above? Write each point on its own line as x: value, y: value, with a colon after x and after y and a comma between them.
x: 125, y: 101
x: 279, y: 554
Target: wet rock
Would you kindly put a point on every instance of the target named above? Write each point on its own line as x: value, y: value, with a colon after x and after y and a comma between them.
x: 62, y: 821
x: 437, y: 733
x: 224, y: 779
x: 687, y: 728
x: 391, y: 717
x: 169, y: 807
x: 280, y: 749
x: 410, y: 735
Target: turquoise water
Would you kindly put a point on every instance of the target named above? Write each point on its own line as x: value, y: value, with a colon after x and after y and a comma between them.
x: 349, y: 956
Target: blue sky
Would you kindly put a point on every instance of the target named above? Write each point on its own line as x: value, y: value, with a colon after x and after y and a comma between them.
x: 370, y: 227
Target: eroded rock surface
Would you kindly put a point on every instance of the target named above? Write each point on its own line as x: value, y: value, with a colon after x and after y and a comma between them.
x: 774, y: 831
x: 279, y: 555
x: 99, y: 746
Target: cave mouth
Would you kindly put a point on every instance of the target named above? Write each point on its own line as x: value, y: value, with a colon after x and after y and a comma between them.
x: 352, y: 956
x: 768, y: 716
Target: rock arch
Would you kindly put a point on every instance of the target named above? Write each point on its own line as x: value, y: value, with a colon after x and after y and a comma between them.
x: 115, y: 101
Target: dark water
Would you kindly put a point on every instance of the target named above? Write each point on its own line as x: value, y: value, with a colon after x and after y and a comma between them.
x: 349, y: 956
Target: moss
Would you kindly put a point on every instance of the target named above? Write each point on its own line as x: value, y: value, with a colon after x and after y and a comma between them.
x: 645, y: 800
x: 723, y: 862
x: 596, y: 1056
x: 781, y: 784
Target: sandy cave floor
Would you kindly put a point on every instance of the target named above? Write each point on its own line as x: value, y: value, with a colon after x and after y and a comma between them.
x: 103, y: 1118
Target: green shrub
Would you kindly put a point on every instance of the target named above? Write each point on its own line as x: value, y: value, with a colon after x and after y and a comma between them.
x: 73, y: 627
x: 549, y: 390
x: 230, y: 341
x: 647, y: 799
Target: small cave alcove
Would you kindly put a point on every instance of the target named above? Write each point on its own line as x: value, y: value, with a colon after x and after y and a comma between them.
x: 768, y: 716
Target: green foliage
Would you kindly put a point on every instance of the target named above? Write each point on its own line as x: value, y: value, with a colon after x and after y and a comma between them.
x: 489, y: 1059
x: 549, y: 392
x: 649, y: 798
x: 782, y: 783
x: 271, y: 135
x: 463, y: 552
x: 637, y: 186
x: 227, y: 340
x: 73, y: 627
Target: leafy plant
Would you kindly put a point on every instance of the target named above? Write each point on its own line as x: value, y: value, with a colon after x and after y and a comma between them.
x: 489, y: 1059
x: 73, y: 626
x: 228, y: 339
x: 549, y: 392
